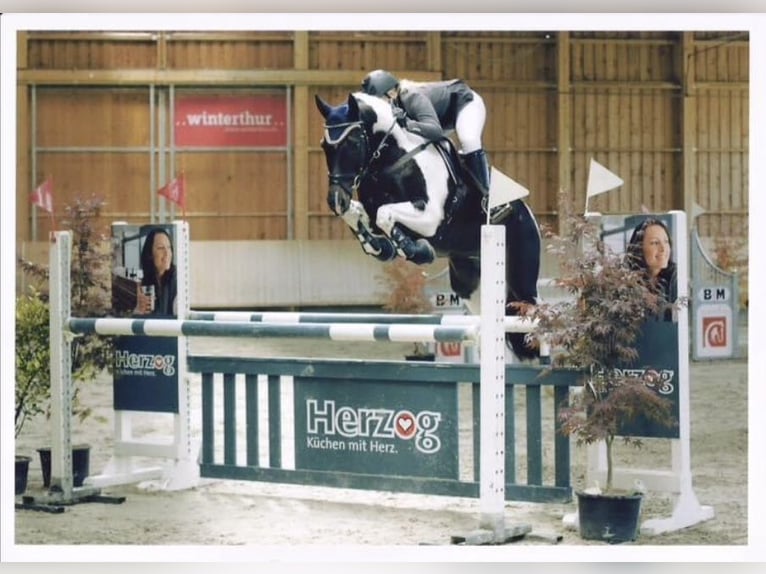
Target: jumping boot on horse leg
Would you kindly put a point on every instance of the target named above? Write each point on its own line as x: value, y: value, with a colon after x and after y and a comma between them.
x: 419, y: 252
x: 381, y: 248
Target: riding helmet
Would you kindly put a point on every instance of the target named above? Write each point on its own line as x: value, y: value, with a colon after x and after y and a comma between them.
x: 379, y: 82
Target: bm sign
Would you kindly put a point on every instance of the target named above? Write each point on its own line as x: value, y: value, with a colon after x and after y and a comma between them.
x: 447, y: 300
x: 715, y: 294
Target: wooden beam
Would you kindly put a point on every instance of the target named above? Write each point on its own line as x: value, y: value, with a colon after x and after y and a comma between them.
x: 687, y: 191
x: 162, y: 51
x: 23, y: 176
x: 434, y: 51
x: 300, y: 208
x: 206, y: 77
x: 564, y: 120
x: 622, y: 85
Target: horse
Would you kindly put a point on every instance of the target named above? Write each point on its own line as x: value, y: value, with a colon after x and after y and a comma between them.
x: 415, y: 200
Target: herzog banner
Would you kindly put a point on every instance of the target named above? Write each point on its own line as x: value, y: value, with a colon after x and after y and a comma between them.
x: 253, y: 120
x: 658, y: 343
x: 145, y: 368
x: 379, y: 427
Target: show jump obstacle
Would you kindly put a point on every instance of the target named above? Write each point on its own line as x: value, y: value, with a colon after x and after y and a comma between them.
x: 320, y: 387
x: 183, y: 471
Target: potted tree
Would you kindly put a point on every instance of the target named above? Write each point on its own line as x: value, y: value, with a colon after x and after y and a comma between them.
x: 596, y: 330
x: 91, y: 354
x: 405, y: 293
x: 32, y: 361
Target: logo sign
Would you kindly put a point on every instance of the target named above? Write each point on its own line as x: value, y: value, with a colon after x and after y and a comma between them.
x: 451, y: 352
x: 406, y: 425
x: 716, y: 294
x: 146, y: 374
x: 388, y: 428
x: 257, y: 120
x: 448, y: 300
x: 713, y: 331
x: 657, y: 348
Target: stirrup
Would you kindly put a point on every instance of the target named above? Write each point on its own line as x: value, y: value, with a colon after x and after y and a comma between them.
x: 499, y: 212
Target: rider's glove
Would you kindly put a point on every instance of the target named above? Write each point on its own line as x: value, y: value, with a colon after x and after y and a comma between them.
x: 399, y: 115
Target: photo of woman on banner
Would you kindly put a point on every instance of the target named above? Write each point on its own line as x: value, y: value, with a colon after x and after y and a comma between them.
x: 650, y: 248
x: 645, y: 244
x: 158, y: 288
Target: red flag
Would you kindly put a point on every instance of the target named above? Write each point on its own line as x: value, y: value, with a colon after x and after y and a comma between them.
x: 42, y: 196
x: 175, y: 191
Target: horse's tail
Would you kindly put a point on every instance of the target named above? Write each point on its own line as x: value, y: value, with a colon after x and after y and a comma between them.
x: 523, y: 251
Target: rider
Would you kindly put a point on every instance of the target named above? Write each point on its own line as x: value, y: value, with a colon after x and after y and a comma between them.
x: 431, y: 108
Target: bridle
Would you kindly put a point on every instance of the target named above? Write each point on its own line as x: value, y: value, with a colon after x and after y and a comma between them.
x: 339, y: 182
x: 341, y: 179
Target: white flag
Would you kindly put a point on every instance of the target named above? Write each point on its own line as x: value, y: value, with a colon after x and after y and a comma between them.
x: 601, y: 179
x: 502, y: 189
x: 697, y: 210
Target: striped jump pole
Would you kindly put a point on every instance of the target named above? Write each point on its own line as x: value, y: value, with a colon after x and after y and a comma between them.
x: 403, y: 332
x: 511, y: 324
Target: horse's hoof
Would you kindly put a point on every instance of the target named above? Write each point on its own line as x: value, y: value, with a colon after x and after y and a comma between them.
x: 423, y: 253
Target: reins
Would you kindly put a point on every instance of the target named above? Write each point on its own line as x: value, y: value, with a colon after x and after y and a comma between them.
x: 375, y: 155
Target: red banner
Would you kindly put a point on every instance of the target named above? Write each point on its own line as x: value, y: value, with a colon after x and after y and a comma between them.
x: 258, y: 120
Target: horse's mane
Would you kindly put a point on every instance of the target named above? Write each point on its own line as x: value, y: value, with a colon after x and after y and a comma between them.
x: 381, y: 108
x: 385, y: 117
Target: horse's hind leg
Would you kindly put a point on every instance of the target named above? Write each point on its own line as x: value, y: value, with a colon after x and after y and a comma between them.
x: 523, y: 248
x: 418, y: 251
x: 464, y: 275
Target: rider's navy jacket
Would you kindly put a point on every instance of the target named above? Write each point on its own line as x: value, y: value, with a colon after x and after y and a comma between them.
x: 432, y: 107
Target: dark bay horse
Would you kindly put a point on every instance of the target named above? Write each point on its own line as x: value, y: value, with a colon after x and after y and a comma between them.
x: 413, y: 202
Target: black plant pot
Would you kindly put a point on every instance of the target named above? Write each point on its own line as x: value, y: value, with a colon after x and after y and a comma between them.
x: 612, y: 518
x: 80, y: 464
x: 22, y: 472
x: 423, y: 357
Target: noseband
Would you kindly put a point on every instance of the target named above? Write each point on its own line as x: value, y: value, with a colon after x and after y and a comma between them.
x: 365, y: 167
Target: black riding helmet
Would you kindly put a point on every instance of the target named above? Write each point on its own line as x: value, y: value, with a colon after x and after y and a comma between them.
x: 378, y: 83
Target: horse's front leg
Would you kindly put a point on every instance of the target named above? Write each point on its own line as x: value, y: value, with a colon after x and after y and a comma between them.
x: 425, y: 222
x: 379, y: 246
x: 355, y: 215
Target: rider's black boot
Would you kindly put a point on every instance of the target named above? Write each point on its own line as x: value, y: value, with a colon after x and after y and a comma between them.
x: 419, y: 252
x: 477, y: 165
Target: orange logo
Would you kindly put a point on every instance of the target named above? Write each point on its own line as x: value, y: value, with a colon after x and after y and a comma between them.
x: 450, y: 349
x: 714, y: 332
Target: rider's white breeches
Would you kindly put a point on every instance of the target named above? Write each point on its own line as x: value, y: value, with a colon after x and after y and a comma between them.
x: 469, y: 124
